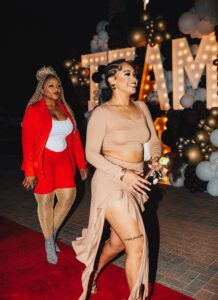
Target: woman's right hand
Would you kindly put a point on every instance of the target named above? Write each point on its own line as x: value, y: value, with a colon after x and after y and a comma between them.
x: 135, y: 182
x: 29, y: 182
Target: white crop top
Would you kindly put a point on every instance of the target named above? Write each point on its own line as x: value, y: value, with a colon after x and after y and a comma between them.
x: 57, y: 137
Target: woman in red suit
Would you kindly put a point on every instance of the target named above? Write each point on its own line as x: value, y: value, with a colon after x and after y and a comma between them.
x: 51, y: 150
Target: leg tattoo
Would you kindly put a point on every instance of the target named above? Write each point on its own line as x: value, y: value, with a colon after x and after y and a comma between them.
x: 134, y: 238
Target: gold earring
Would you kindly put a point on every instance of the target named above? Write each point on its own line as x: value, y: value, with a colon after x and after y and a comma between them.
x: 113, y: 86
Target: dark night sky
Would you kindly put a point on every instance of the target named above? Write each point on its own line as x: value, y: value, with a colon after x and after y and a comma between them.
x: 46, y: 32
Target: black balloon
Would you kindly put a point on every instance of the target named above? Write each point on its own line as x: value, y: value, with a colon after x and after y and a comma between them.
x: 168, y: 138
x: 101, y: 69
x: 96, y: 77
x: 192, y: 182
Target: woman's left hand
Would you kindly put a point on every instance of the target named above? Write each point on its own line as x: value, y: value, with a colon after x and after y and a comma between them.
x: 83, y: 174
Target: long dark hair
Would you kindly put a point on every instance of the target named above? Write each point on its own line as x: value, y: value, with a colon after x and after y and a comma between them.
x: 110, y: 70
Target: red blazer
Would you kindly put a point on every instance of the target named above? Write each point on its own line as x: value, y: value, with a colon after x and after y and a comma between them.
x: 36, y: 127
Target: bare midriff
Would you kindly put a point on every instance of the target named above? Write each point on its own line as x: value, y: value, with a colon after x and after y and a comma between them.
x: 127, y: 156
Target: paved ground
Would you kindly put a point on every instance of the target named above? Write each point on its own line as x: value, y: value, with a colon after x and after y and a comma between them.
x: 182, y: 230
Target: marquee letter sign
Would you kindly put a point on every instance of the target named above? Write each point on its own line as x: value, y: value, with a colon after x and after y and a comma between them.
x: 183, y: 60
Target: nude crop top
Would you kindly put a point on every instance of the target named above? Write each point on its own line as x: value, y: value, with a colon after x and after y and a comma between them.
x: 57, y: 137
x: 109, y: 130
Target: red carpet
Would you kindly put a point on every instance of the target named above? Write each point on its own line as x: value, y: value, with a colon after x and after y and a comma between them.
x: 25, y: 274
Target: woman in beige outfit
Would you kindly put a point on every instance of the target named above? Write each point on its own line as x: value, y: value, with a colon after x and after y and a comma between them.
x: 116, y: 133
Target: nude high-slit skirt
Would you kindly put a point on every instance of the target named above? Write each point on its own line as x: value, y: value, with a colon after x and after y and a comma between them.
x: 105, y: 189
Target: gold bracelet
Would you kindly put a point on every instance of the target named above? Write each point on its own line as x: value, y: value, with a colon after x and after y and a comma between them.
x: 123, y: 172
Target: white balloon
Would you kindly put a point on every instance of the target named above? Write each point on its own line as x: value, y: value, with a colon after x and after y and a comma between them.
x: 194, y: 49
x: 188, y: 85
x: 169, y: 86
x: 207, y: 10
x: 169, y: 75
x: 93, y: 46
x: 212, y: 167
x: 187, y: 100
x: 188, y: 22
x: 212, y: 187
x: 178, y: 183
x: 103, y: 34
x: 100, y: 42
x: 196, y: 34
x: 204, y: 172
x: 190, y: 91
x: 101, y: 26
x: 214, y: 137
x: 104, y: 46
x: 213, y: 156
x: 200, y: 94
x: 205, y: 27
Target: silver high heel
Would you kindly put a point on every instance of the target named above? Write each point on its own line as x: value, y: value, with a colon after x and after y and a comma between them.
x: 50, y: 251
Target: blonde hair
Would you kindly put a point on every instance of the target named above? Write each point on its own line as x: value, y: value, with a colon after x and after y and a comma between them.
x: 42, y: 75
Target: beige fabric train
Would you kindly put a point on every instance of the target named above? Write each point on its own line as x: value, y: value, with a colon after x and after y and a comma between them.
x: 108, y: 130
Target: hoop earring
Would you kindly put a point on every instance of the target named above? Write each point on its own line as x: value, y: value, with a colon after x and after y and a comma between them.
x: 113, y: 87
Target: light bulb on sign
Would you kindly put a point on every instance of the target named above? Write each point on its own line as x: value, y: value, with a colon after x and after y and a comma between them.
x: 189, y: 58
